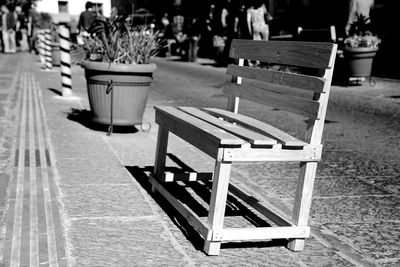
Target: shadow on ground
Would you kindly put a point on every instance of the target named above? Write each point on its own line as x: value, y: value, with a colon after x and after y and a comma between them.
x: 85, y: 117
x: 196, y: 195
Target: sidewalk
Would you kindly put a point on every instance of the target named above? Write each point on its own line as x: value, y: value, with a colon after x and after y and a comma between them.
x: 80, y: 198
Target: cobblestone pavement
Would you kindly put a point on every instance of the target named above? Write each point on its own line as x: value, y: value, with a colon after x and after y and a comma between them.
x: 78, y: 197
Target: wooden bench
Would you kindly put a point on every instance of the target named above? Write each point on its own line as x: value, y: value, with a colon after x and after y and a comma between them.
x: 228, y: 137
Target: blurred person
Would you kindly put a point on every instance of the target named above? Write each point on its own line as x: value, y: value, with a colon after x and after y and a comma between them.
x: 1, y: 30
x: 356, y: 8
x: 192, y: 32
x: 241, y: 26
x: 8, y: 29
x: 21, y: 29
x: 32, y: 30
x: 85, y: 18
x: 114, y: 13
x: 208, y: 29
x: 228, y: 18
x: 256, y: 18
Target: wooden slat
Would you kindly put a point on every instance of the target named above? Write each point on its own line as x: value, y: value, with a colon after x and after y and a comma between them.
x: 304, y: 54
x: 293, y: 80
x: 257, y: 125
x: 203, y: 136
x: 262, y: 233
x: 309, y: 153
x: 250, y: 136
x: 297, y: 105
x: 185, y: 211
x: 185, y: 120
x: 269, y: 212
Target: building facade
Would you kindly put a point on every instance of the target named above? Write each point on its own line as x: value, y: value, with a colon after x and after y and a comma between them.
x: 72, y: 7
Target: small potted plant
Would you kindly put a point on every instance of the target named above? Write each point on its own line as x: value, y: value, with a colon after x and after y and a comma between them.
x: 360, y: 48
x: 118, y: 70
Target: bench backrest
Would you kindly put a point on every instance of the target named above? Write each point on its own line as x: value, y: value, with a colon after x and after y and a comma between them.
x: 300, y: 93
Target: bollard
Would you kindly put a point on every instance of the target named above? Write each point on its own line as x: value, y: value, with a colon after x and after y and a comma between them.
x: 65, y: 60
x: 40, y: 39
x: 47, y: 48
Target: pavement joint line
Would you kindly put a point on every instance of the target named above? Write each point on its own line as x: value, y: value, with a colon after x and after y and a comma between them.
x: 50, y: 220
x: 33, y: 235
x: 118, y: 218
x: 17, y: 220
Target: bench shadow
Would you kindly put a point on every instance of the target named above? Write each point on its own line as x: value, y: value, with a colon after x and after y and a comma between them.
x: 195, y: 195
x: 85, y: 118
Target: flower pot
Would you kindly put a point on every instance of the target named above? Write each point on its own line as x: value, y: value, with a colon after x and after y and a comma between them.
x: 359, y: 60
x: 118, y: 93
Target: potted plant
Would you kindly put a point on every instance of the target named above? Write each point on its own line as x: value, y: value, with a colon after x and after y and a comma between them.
x: 360, y: 48
x: 117, y: 70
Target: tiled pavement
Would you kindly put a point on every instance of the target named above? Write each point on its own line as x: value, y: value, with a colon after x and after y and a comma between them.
x: 33, y: 225
x: 77, y: 197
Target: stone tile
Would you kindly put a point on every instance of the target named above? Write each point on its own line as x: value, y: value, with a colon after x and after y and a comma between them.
x: 78, y: 146
x: 4, y: 181
x: 355, y: 209
x: 390, y: 184
x: 108, y: 200
x: 326, y: 187
x: 389, y: 263
x: 142, y: 152
x: 374, y: 240
x: 316, y: 254
x: 123, y: 243
x: 339, y: 156
x: 101, y: 170
x: 358, y: 165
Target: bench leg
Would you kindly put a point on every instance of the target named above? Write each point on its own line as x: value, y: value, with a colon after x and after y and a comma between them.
x: 303, y: 201
x: 217, y: 205
x: 161, y: 154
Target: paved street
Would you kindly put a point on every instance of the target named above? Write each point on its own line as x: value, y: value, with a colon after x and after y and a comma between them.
x: 72, y: 196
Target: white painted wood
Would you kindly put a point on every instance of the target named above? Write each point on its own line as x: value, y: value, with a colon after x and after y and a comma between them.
x: 216, y: 212
x: 262, y: 233
x: 308, y: 153
x: 258, y: 126
x: 303, y: 198
x: 243, y: 133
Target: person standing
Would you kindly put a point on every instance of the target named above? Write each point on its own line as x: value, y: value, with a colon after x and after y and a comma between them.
x: 8, y: 30
x: 85, y: 19
x: 357, y: 8
x: 22, y: 38
x: 256, y: 18
x: 242, y: 30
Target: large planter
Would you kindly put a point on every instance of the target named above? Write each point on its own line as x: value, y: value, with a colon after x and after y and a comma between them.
x: 359, y: 60
x: 118, y: 93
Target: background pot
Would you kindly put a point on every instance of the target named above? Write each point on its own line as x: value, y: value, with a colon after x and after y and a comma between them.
x: 359, y: 60
x: 118, y: 93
